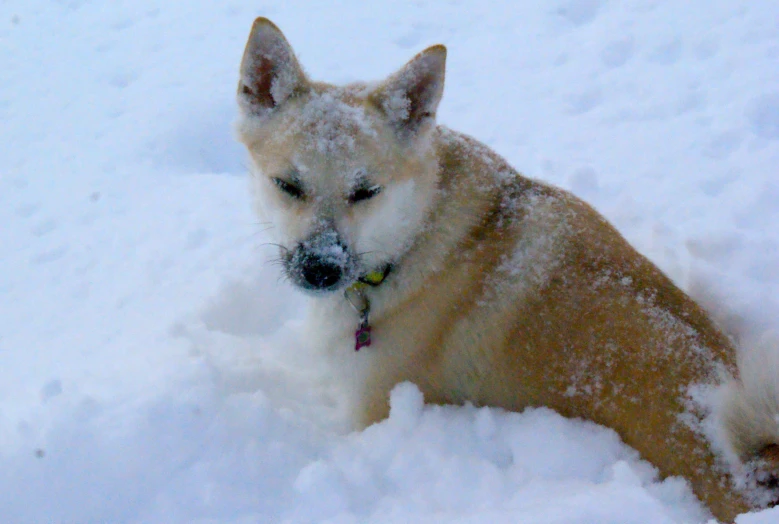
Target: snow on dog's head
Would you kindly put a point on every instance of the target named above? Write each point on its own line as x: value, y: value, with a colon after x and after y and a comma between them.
x: 344, y: 176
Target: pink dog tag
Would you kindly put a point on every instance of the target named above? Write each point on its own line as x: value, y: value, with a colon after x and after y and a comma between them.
x: 362, y: 337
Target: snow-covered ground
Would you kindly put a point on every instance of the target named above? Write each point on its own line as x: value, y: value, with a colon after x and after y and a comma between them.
x: 147, y: 350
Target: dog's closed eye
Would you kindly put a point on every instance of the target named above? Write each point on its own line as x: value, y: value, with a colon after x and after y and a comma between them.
x: 292, y: 189
x: 364, y: 192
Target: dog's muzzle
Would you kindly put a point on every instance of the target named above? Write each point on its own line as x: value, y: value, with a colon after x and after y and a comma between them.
x: 319, y: 263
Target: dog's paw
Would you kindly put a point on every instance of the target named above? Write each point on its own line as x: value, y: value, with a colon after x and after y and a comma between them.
x: 762, y: 477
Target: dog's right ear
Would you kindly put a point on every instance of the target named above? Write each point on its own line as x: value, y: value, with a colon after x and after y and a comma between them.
x: 410, y: 97
x: 270, y: 73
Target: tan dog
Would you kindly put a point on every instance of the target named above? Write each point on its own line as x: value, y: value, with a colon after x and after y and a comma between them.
x: 443, y: 266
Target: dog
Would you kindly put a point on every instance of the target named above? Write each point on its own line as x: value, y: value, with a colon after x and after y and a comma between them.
x: 429, y: 259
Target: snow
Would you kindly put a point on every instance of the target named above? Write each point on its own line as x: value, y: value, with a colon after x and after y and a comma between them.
x: 153, y: 368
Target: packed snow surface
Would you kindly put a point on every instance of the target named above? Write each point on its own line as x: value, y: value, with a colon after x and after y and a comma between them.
x: 152, y: 365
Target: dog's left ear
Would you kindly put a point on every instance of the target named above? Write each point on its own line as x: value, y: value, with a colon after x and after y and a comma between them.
x: 270, y: 73
x: 410, y: 97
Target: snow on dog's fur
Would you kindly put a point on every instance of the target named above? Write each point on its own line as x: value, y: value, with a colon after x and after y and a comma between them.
x: 481, y: 285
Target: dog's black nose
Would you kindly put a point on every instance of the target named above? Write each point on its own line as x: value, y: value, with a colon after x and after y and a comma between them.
x: 320, y: 274
x: 318, y: 263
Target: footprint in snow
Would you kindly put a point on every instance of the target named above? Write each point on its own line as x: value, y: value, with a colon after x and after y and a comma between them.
x: 667, y: 53
x: 763, y: 116
x: 723, y: 144
x: 580, y: 12
x: 583, y: 102
x: 618, y: 52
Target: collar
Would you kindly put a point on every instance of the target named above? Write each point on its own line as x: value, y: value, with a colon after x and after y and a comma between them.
x: 371, y: 279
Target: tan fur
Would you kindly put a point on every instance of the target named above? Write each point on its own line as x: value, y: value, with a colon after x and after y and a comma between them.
x: 508, y: 293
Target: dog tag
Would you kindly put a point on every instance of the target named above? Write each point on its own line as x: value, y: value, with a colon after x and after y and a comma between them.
x: 358, y: 300
x: 362, y: 337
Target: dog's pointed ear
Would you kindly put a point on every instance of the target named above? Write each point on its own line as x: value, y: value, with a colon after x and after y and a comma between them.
x: 270, y: 73
x: 410, y: 97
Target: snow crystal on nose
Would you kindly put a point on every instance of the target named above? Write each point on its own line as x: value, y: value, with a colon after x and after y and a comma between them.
x: 333, y: 254
x: 328, y: 248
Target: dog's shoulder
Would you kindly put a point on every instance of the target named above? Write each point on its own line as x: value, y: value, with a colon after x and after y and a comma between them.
x: 470, y: 171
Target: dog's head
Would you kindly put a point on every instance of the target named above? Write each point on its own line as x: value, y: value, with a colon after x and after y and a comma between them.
x: 344, y: 176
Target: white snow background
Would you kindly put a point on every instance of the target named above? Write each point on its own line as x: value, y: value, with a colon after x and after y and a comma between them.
x: 152, y: 367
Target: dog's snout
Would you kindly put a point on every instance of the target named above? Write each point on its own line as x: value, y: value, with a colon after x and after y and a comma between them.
x: 322, y: 274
